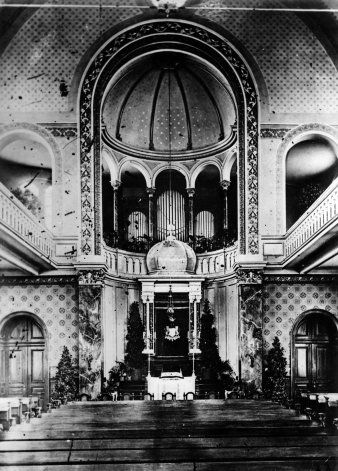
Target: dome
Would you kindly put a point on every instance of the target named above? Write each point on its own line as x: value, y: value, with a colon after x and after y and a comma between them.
x: 168, y: 104
x: 171, y: 256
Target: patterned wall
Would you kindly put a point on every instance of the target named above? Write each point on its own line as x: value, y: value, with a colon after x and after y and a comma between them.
x: 282, y: 304
x: 288, y: 54
x: 47, y: 49
x: 50, y: 45
x: 56, y: 305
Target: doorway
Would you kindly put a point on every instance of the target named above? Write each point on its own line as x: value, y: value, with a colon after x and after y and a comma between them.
x: 23, y: 357
x: 315, y: 353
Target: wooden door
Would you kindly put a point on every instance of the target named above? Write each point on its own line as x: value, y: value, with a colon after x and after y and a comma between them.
x: 315, y: 354
x: 23, y: 359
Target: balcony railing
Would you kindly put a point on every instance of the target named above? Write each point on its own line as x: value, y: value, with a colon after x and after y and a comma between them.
x: 121, y: 262
x: 16, y: 218
x: 319, y: 217
x: 216, y: 263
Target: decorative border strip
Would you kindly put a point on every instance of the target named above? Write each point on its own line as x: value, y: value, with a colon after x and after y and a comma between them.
x: 58, y: 131
x: 274, y: 133
x: 90, y: 135
x: 292, y: 279
x: 38, y: 280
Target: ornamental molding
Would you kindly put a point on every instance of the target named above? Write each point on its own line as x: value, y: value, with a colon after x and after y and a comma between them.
x: 62, y: 131
x: 38, y: 280
x: 274, y: 133
x: 91, y: 277
x: 94, y: 83
x: 293, y: 279
x: 290, y: 139
x: 249, y: 277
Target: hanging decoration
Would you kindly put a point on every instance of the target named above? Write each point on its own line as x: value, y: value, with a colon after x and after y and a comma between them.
x: 171, y: 331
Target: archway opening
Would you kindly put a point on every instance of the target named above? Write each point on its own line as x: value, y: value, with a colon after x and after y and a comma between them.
x: 26, y: 170
x: 311, y: 166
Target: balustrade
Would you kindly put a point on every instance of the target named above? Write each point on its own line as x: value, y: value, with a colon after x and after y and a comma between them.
x: 17, y: 218
x: 121, y: 262
x: 321, y: 214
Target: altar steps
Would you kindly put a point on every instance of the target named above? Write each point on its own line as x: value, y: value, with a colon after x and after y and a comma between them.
x: 202, y: 435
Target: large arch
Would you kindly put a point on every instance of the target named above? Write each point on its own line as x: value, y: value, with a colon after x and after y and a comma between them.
x: 168, y: 34
x: 14, y: 131
x: 291, y: 138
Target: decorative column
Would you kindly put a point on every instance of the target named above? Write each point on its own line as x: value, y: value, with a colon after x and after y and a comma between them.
x: 191, y: 222
x: 194, y: 316
x: 90, y: 332
x: 116, y: 185
x: 148, y: 317
x: 251, y: 322
x: 151, y: 192
x: 225, y: 185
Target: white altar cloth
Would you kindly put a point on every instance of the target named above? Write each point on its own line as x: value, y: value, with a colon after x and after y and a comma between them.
x: 171, y: 382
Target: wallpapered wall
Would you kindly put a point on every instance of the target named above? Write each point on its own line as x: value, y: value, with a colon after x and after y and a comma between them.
x: 56, y: 305
x: 283, y: 303
x: 52, y: 42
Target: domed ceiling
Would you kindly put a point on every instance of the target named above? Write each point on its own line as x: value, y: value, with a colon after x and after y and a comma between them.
x: 169, y: 103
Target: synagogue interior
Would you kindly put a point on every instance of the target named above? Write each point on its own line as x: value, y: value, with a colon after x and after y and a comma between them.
x: 165, y: 164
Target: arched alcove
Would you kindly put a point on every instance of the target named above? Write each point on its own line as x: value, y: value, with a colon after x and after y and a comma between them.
x: 214, y: 58
x: 311, y: 166
x: 170, y: 205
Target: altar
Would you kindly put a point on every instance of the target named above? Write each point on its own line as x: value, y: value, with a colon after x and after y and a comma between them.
x: 173, y: 382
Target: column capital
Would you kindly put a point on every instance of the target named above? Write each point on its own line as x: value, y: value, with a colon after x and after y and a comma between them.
x: 115, y: 184
x: 225, y: 184
x: 191, y: 192
x: 151, y: 191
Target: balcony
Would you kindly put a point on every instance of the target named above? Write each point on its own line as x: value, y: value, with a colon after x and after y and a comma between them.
x: 25, y: 243
x: 312, y: 241
x: 132, y: 265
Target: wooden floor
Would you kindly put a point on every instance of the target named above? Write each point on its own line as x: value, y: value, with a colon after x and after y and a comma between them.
x: 196, y: 435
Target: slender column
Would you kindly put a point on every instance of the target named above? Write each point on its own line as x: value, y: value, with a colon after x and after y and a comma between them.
x: 191, y: 225
x: 151, y: 192
x: 116, y: 185
x: 225, y: 185
x: 148, y: 304
x: 194, y: 321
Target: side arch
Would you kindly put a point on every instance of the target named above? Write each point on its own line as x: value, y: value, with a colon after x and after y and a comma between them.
x: 293, y: 137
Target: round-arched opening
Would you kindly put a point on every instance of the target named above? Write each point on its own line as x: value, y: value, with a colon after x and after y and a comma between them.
x: 311, y: 166
x: 170, y: 205
x: 26, y: 170
x: 314, y: 352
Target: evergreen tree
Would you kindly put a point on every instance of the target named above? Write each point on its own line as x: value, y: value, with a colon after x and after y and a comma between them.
x: 274, y: 374
x: 66, y: 378
x: 135, y: 342
x: 209, y: 351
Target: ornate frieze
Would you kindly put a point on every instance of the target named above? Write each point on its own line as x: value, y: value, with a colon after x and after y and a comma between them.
x: 274, y: 133
x: 62, y: 131
x: 93, y: 87
x: 299, y: 279
x: 38, y: 280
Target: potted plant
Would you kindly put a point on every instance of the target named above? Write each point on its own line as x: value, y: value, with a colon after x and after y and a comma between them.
x: 209, y: 359
x: 135, y: 343
x: 274, y: 374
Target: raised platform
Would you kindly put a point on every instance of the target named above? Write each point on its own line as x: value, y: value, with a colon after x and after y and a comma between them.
x: 199, y: 435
